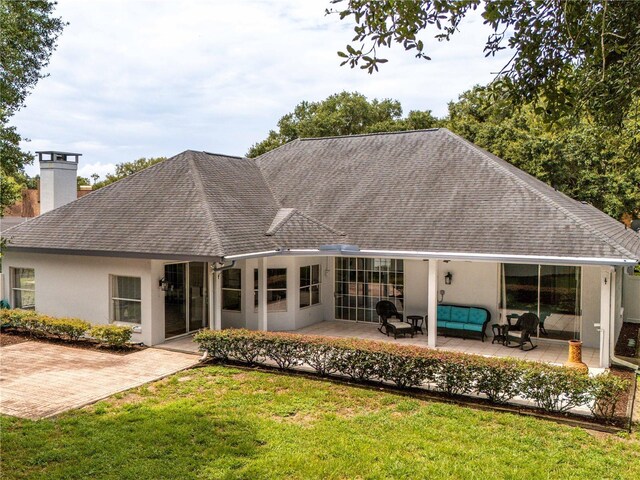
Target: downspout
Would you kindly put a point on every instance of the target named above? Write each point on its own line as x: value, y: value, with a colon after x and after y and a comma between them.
x: 224, y: 267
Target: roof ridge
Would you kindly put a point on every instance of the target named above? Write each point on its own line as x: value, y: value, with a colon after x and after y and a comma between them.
x: 224, y: 155
x: 398, y: 132
x: 577, y: 220
x: 277, y: 225
x: 322, y: 224
x: 199, y: 184
x: 290, y: 142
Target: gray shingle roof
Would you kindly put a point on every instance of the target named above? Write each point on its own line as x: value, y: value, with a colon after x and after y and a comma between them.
x: 428, y: 191
x: 433, y: 191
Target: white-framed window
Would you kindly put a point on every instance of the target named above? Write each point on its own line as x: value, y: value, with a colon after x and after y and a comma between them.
x: 276, y: 289
x: 23, y: 288
x: 126, y: 300
x: 309, y: 285
x: 232, y: 289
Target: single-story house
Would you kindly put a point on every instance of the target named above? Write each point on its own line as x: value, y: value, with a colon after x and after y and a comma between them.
x: 321, y: 229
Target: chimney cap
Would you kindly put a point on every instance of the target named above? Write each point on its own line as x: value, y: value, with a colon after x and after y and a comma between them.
x: 55, y: 156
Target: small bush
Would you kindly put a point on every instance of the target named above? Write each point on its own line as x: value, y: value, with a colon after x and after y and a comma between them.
x: 606, y: 390
x: 112, y: 335
x: 499, y: 379
x: 71, y: 328
x: 555, y: 389
x: 319, y: 355
x: 284, y: 349
x: 17, y: 318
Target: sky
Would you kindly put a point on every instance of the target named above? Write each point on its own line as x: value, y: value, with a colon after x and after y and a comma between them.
x: 149, y: 78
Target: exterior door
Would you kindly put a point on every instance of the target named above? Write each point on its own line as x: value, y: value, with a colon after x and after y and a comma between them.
x: 185, y: 301
x: 175, y: 304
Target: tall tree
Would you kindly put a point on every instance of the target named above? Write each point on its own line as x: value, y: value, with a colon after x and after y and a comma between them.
x: 568, y: 55
x: 125, y: 169
x: 343, y: 113
x: 28, y: 34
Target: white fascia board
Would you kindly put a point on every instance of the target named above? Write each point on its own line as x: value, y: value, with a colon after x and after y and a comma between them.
x: 479, y: 257
x: 244, y: 256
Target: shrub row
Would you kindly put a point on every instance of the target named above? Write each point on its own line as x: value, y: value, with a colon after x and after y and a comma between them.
x: 73, y: 329
x: 552, y: 388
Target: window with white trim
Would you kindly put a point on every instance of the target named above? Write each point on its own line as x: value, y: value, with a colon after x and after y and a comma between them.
x: 23, y: 288
x: 126, y: 299
x: 232, y: 289
x: 309, y: 285
x: 276, y: 289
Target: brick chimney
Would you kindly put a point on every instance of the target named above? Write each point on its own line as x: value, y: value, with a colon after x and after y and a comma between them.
x: 58, y: 179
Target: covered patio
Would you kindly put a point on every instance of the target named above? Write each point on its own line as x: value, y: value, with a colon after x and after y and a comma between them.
x: 548, y: 352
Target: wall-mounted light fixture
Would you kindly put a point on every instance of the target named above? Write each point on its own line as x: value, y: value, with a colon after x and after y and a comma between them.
x: 447, y: 278
x: 163, y: 283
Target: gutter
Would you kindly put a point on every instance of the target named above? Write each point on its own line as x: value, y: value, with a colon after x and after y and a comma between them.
x: 353, y: 251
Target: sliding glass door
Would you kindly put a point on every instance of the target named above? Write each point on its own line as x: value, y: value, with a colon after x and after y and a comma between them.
x: 185, y: 301
x: 362, y: 282
x: 553, y: 292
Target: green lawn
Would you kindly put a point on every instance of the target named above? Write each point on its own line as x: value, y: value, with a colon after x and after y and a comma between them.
x: 219, y: 422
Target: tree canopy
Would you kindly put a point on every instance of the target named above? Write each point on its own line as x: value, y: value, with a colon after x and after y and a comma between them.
x: 29, y: 34
x: 569, y: 56
x: 345, y: 113
x: 125, y: 169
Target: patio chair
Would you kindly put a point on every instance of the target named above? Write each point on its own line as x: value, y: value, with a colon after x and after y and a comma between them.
x: 391, y: 320
x: 522, y: 330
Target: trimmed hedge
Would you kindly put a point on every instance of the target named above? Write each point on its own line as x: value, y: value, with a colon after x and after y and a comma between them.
x: 551, y: 388
x: 67, y: 328
x: 112, y: 335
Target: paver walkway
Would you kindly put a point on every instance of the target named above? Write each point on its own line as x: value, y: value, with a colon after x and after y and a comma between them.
x: 39, y: 380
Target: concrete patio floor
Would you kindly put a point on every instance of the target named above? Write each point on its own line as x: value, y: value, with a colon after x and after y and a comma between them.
x: 549, y: 352
x: 39, y: 380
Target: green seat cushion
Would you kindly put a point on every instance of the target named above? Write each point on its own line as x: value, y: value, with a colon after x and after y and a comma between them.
x: 442, y: 324
x: 473, y: 327
x: 477, y: 316
x: 455, y: 325
x: 460, y: 314
x: 444, y: 313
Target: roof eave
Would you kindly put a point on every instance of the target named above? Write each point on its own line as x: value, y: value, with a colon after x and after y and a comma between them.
x: 116, y: 254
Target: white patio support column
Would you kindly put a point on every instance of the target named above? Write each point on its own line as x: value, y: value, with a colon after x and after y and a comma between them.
x: 210, y: 295
x: 217, y: 311
x: 432, y: 306
x: 262, y: 294
x: 605, y: 314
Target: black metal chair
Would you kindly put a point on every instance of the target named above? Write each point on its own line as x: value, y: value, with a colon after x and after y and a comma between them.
x: 391, y: 320
x: 522, y: 330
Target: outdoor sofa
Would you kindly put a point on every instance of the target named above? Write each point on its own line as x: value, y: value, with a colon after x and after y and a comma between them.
x: 461, y: 320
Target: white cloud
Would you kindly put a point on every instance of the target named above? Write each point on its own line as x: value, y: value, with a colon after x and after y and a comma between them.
x: 149, y: 78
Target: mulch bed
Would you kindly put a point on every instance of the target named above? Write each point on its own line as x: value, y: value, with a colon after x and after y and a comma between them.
x: 629, y: 331
x: 623, y: 409
x: 12, y: 337
x: 6, y: 340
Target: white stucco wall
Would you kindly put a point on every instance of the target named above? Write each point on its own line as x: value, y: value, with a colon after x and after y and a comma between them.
x: 294, y: 317
x: 473, y: 284
x: 78, y: 286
